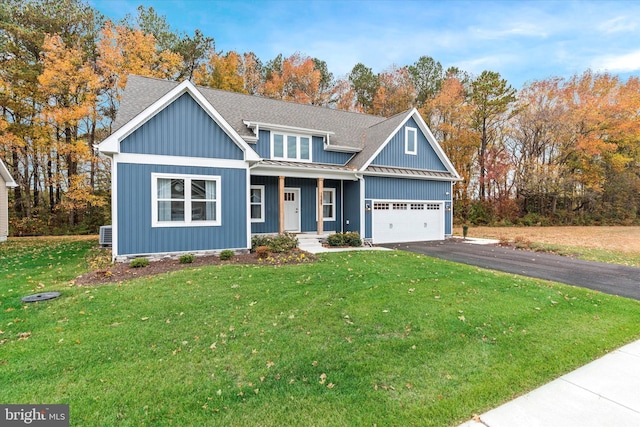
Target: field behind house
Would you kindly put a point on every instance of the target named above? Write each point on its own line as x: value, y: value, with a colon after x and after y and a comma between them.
x: 362, y: 338
x: 615, y: 238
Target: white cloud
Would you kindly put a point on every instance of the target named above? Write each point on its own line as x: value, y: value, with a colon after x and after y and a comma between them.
x: 618, y: 25
x: 516, y: 29
x: 618, y: 63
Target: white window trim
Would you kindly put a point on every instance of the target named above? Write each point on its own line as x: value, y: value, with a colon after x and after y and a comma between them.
x: 261, y: 188
x: 334, y: 204
x: 187, y: 201
x: 284, y: 148
x: 407, y: 131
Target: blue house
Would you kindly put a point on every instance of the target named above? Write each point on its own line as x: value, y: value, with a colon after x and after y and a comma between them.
x: 200, y: 170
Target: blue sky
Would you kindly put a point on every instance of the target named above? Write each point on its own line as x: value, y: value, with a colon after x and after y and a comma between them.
x: 522, y: 40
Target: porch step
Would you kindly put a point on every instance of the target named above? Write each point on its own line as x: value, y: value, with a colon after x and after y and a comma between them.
x: 310, y: 242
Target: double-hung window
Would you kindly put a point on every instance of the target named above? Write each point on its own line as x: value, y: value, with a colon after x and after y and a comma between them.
x: 256, y: 200
x: 410, y: 140
x: 328, y: 204
x: 290, y: 147
x: 185, y: 200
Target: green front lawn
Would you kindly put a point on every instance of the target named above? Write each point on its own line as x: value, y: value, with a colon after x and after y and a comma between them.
x: 358, y: 338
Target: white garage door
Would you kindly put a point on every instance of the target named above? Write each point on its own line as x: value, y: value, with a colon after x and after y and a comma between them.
x: 395, y: 222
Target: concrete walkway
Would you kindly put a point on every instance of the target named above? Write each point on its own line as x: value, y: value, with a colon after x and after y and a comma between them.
x: 311, y: 243
x: 603, y: 393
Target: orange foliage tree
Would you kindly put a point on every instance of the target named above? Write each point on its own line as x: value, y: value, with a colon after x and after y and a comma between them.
x: 297, y: 81
x: 395, y: 93
x: 221, y: 72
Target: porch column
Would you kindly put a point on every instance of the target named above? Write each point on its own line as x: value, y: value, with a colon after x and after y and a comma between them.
x: 281, y: 204
x: 320, y: 210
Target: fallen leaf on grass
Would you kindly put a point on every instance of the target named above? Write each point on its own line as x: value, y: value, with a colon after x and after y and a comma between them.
x: 323, y: 378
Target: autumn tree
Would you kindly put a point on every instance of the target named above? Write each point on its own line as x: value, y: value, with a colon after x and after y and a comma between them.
x: 221, y: 72
x: 298, y: 80
x: 605, y: 129
x: 23, y: 26
x: 538, y: 136
x: 251, y: 71
x: 71, y: 88
x: 365, y: 86
x: 427, y: 77
x: 449, y: 113
x: 491, y: 97
x: 192, y: 49
x: 123, y: 51
x: 326, y: 85
x: 395, y: 93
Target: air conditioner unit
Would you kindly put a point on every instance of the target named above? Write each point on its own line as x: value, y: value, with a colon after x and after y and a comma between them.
x: 105, y: 235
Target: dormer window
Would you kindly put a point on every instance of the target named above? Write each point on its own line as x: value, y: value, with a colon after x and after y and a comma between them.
x: 410, y: 141
x: 290, y: 147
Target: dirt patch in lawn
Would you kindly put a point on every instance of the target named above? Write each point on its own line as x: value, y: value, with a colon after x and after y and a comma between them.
x: 615, y: 238
x: 122, y: 271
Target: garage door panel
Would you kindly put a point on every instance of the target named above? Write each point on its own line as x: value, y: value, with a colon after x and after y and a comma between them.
x: 395, y: 222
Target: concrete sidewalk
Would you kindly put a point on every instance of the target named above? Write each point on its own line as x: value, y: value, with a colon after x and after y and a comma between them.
x: 603, y: 393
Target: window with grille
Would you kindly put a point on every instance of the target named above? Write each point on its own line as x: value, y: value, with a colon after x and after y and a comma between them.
x: 185, y: 200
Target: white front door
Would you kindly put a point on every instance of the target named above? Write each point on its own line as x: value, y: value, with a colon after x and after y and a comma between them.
x: 291, y: 209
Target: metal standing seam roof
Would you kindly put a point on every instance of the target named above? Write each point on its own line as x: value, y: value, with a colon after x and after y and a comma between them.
x: 315, y: 166
x: 418, y: 173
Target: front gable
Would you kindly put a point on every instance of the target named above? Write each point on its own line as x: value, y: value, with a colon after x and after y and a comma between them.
x: 182, y: 128
x: 409, y: 148
x: 173, y: 121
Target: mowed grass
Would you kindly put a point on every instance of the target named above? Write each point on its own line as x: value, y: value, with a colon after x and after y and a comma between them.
x: 360, y: 338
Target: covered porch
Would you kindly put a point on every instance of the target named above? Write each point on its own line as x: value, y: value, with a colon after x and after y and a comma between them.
x: 304, y: 199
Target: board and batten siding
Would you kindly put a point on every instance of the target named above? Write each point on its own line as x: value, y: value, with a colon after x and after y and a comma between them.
x: 182, y: 128
x: 136, y: 236
x: 4, y: 210
x: 308, y: 204
x: 318, y: 153
x: 270, y: 200
x: 393, y: 154
x: 352, y: 206
x: 381, y: 188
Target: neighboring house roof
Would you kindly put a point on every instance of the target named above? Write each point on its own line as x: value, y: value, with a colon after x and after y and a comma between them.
x: 363, y: 134
x: 6, y: 176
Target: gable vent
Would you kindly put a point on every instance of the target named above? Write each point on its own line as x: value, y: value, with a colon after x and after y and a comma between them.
x: 106, y: 234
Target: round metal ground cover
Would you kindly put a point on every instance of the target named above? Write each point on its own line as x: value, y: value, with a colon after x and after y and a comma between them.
x: 41, y: 297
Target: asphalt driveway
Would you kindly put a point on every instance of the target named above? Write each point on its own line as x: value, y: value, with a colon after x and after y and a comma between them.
x: 608, y: 278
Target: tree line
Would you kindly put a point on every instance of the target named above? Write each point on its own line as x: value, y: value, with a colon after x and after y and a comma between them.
x: 559, y: 150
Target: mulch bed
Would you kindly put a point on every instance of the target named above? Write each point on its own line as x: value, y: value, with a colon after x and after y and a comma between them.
x: 121, y: 271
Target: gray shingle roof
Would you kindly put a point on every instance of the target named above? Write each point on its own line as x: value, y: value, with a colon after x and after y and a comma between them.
x: 361, y: 132
x: 375, y: 136
x: 348, y: 127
